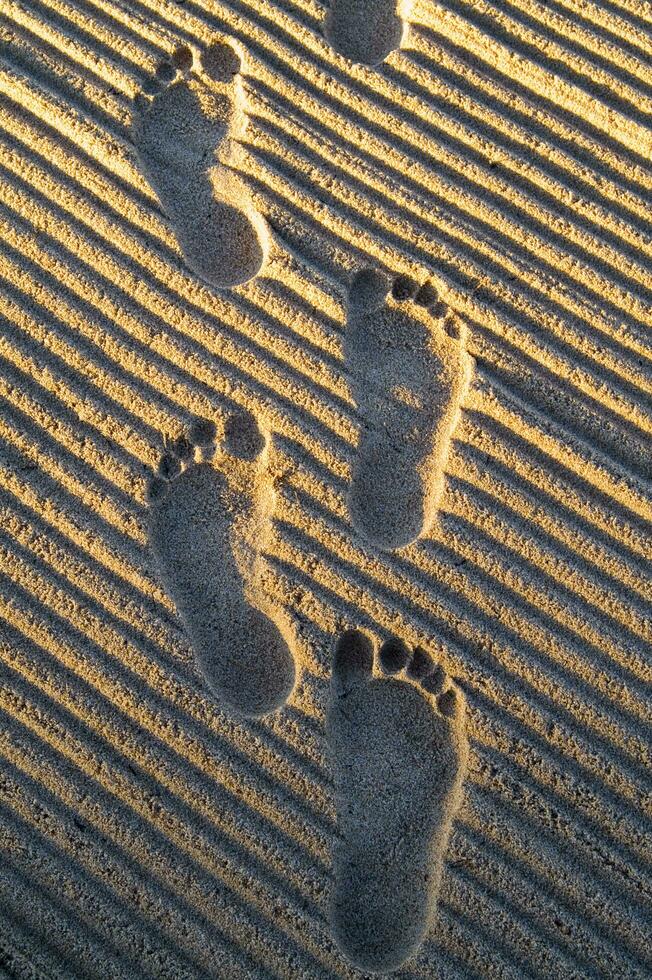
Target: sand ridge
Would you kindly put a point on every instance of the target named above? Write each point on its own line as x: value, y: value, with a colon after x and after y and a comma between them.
x: 496, y: 153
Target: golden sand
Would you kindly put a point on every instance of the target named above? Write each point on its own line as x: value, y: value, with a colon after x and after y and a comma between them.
x: 501, y: 155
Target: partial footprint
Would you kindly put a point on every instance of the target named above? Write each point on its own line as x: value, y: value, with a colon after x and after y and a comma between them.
x: 410, y: 372
x: 207, y: 530
x: 364, y: 31
x: 399, y: 750
x: 184, y: 135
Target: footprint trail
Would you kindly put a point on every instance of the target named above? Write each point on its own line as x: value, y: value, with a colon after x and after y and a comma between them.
x: 410, y: 372
x: 207, y: 529
x: 399, y: 750
x: 364, y: 31
x: 184, y: 129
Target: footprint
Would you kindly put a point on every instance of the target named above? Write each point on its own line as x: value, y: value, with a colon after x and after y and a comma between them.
x: 184, y: 132
x: 207, y: 530
x: 410, y: 371
x: 399, y: 749
x: 364, y: 31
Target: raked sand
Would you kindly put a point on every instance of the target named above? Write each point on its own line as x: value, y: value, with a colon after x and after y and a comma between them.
x: 500, y: 160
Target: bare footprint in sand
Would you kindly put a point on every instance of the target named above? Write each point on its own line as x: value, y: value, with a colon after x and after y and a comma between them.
x: 364, y: 31
x: 207, y: 530
x: 184, y: 131
x: 410, y: 372
x: 399, y: 750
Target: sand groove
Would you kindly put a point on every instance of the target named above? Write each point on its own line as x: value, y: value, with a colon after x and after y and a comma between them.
x: 484, y: 178
x: 501, y: 153
x: 542, y: 81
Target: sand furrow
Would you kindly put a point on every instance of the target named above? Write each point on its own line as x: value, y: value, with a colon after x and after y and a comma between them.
x: 84, y: 574
x: 620, y: 668
x: 593, y: 952
x: 515, y: 479
x: 145, y: 698
x: 65, y: 512
x: 525, y: 21
x: 32, y: 24
x: 212, y: 854
x: 494, y: 837
x: 99, y: 597
x: 183, y: 890
x: 284, y: 347
x: 587, y: 461
x: 581, y: 31
x: 456, y: 197
x: 78, y: 268
x: 521, y: 803
x: 41, y: 451
x: 69, y: 950
x: 53, y: 781
x: 614, y: 19
x: 612, y: 430
x: 495, y: 342
x: 85, y: 864
x: 508, y: 59
x: 550, y: 153
x: 299, y: 72
x: 107, y: 53
x: 538, y: 231
x: 167, y: 349
x: 22, y: 953
x: 505, y: 553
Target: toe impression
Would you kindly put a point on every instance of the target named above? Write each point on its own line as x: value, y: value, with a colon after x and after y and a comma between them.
x: 243, y: 437
x: 353, y: 661
x: 420, y: 665
x: 448, y: 703
x: 202, y: 433
x: 394, y: 655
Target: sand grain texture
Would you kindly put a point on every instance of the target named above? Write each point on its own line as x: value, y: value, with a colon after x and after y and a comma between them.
x: 364, y: 31
x: 500, y: 153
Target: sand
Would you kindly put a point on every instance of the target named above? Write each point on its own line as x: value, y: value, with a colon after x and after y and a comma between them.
x: 494, y: 157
